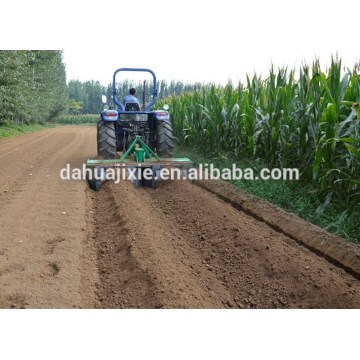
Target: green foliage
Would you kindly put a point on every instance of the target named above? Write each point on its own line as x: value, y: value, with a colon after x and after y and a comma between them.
x: 85, y: 97
x: 32, y: 86
x: 11, y: 130
x: 75, y: 107
x: 310, y: 122
x: 164, y: 88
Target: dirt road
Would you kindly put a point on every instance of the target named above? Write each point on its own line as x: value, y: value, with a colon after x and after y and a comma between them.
x: 180, y: 246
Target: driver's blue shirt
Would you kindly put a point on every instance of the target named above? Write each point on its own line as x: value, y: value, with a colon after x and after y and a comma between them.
x: 130, y: 99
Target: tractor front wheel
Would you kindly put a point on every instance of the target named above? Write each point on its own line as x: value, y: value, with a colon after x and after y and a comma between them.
x: 106, y: 140
x: 164, y: 139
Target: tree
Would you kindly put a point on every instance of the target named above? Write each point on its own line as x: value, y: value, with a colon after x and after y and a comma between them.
x: 32, y: 86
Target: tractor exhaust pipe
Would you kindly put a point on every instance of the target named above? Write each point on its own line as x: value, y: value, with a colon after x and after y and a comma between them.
x: 144, y: 97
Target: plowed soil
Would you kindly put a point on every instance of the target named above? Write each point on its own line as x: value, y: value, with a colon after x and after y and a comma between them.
x: 183, y: 245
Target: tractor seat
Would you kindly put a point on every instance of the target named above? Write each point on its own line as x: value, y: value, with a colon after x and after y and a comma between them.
x: 132, y: 107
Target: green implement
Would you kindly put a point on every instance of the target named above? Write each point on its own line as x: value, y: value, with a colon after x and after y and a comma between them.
x: 138, y: 164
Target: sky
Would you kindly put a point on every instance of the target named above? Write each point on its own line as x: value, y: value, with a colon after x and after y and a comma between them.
x: 190, y: 41
x: 217, y: 42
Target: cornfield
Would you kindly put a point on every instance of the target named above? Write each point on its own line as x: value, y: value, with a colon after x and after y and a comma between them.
x: 77, y: 119
x: 309, y: 121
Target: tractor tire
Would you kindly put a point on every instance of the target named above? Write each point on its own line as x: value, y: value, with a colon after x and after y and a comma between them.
x: 164, y: 139
x: 106, y: 140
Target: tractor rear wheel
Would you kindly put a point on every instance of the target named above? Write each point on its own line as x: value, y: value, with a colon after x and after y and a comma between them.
x: 106, y: 140
x: 164, y: 139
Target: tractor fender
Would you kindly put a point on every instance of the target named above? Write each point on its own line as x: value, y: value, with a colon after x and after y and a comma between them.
x: 161, y: 115
x: 109, y: 115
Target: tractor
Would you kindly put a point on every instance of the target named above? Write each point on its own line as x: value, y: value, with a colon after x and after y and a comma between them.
x: 117, y: 129
x: 133, y: 136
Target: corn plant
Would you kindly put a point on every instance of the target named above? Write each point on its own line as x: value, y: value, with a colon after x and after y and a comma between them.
x: 77, y: 119
x: 309, y: 121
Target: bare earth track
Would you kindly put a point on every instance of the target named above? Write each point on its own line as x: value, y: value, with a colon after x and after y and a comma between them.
x: 181, y: 246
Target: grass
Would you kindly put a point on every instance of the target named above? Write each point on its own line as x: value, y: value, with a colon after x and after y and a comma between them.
x: 11, y: 130
x: 297, y: 197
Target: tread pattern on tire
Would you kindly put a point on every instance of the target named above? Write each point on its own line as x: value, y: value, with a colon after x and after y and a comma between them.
x: 165, y: 139
x: 106, y: 140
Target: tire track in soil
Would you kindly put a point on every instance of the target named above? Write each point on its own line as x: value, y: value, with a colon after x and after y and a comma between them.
x: 13, y: 146
x: 45, y: 257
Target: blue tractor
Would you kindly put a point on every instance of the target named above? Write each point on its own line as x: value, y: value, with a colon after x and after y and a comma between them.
x: 118, y: 128
x: 134, y: 137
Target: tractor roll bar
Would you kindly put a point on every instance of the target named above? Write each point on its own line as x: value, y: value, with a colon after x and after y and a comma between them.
x: 121, y: 106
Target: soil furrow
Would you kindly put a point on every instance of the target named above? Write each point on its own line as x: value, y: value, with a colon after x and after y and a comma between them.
x: 179, y: 246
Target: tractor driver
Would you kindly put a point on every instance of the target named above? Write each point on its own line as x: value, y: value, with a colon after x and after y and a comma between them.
x: 131, y: 98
